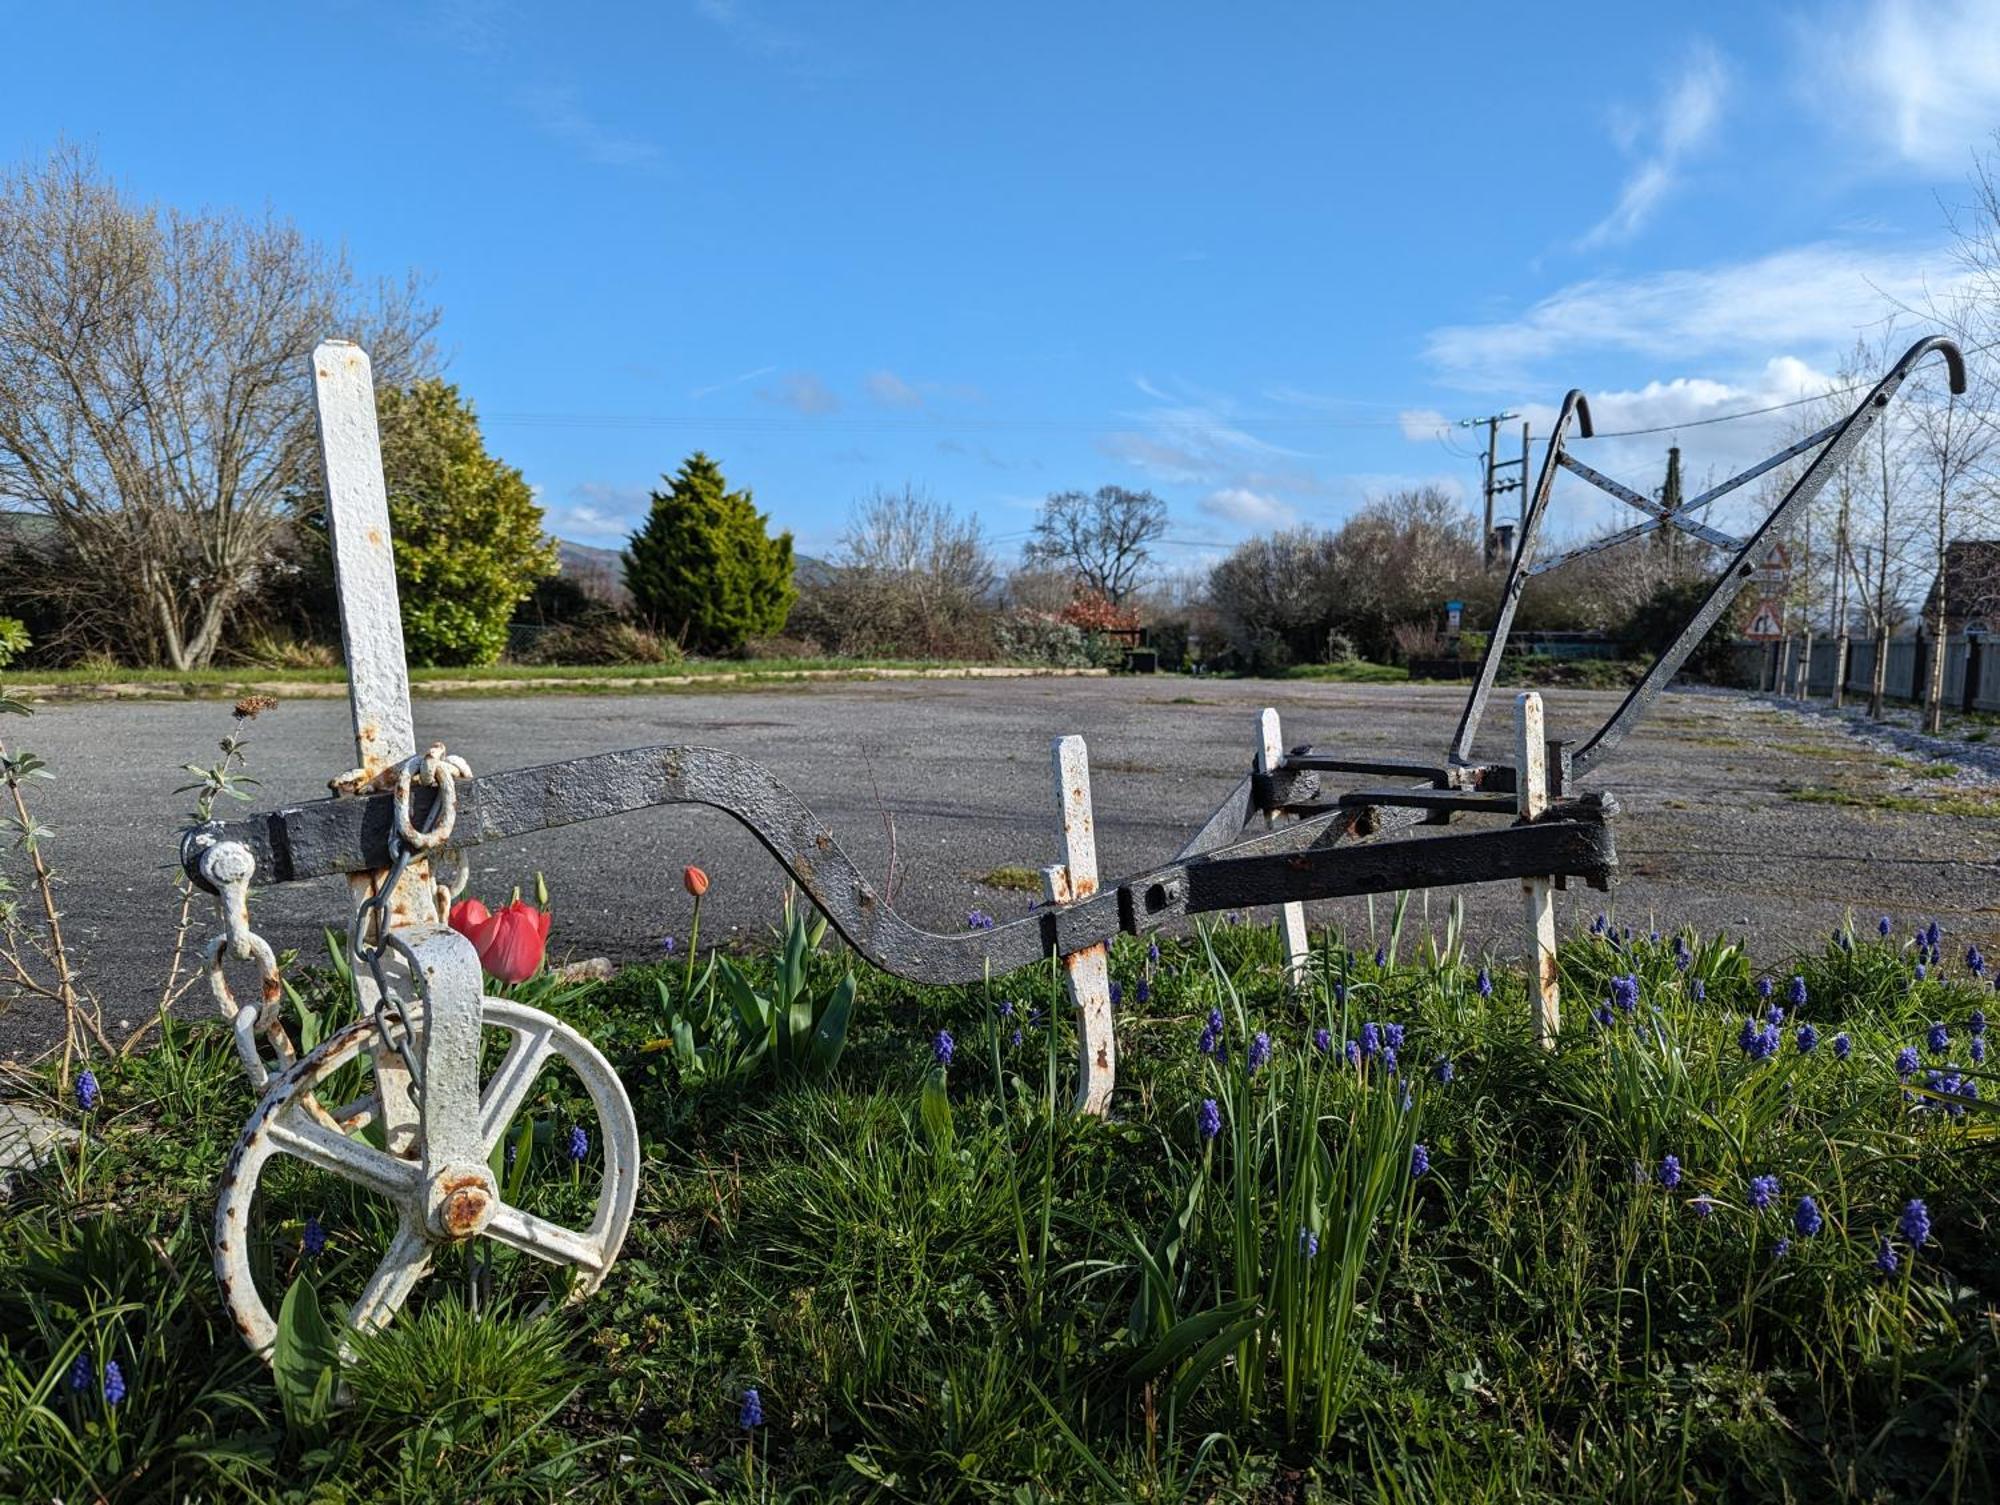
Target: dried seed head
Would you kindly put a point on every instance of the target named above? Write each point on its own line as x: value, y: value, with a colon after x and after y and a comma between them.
x: 250, y: 707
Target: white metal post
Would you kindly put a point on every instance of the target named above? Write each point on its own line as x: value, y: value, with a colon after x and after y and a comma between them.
x: 1271, y: 757
x: 1538, y: 896
x: 378, y: 693
x: 1089, y: 970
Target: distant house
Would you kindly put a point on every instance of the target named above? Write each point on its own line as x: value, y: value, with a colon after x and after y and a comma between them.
x: 1971, y: 582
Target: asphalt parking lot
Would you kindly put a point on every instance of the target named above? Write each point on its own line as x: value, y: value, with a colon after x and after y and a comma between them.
x: 1714, y: 831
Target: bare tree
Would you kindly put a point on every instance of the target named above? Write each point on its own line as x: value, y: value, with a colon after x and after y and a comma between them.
x: 1103, y: 537
x: 910, y: 576
x: 1952, y: 441
x: 154, y: 397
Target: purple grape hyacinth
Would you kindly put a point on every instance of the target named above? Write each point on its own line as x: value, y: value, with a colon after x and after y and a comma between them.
x: 1260, y: 1051
x: 1420, y: 1160
x: 1915, y: 1223
x: 313, y: 1240
x: 1211, y: 1118
x: 1938, y: 1038
x: 86, y: 1090
x: 1806, y: 1038
x: 1885, y: 1258
x: 1670, y: 1171
x: 579, y: 1142
x: 1843, y: 1047
x: 1763, y: 1191
x: 1322, y: 1039
x: 114, y: 1383
x: 1796, y: 993
x: 751, y: 1414
x: 1485, y: 983
x: 81, y: 1374
x: 1906, y: 1061
x: 943, y: 1047
x: 1807, y: 1219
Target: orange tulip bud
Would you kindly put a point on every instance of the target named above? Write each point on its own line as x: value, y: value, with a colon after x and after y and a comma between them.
x: 695, y: 881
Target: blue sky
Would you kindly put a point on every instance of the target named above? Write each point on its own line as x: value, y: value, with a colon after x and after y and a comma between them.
x: 1256, y: 259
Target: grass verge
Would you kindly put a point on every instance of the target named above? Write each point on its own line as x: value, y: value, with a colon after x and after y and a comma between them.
x: 1362, y: 1243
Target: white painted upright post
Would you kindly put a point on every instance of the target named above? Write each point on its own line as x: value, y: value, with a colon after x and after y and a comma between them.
x: 1538, y: 895
x: 371, y: 634
x: 1271, y: 757
x: 1065, y: 882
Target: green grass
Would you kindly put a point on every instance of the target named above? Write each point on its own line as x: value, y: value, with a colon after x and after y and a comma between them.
x: 225, y: 683
x: 1352, y: 672
x: 984, y: 1298
x: 1020, y: 880
x: 1974, y: 804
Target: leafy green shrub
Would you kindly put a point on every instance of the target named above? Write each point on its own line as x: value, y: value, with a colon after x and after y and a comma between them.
x: 14, y: 640
x: 1034, y: 638
x: 467, y: 533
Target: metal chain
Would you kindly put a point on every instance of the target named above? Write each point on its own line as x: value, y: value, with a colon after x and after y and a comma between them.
x: 370, y: 937
x: 229, y: 866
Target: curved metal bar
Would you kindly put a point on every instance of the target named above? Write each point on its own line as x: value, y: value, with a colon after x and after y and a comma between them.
x: 352, y: 835
x: 1737, y: 575
x: 1575, y: 407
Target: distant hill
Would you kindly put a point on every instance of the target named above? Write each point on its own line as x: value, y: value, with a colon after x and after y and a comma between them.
x: 602, y: 571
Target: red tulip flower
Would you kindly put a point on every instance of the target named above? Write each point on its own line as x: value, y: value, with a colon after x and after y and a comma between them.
x: 695, y: 881
x: 511, y: 940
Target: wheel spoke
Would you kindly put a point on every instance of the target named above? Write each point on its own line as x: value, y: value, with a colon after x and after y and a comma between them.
x: 511, y: 1084
x: 543, y: 1239
x: 408, y: 1257
x: 330, y: 1150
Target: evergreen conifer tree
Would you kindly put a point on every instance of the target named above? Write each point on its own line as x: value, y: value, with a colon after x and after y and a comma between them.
x: 704, y: 568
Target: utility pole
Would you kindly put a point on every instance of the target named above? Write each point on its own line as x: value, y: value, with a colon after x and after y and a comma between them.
x: 1492, y: 486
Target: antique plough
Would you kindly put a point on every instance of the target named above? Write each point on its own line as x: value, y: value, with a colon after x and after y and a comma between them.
x: 427, y: 1131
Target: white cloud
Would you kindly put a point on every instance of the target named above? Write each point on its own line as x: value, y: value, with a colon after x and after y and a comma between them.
x: 1813, y: 299
x: 596, y: 512
x: 1683, y: 123
x: 1247, y: 508
x: 1422, y: 423
x: 1922, y: 77
x: 891, y: 391
x: 803, y: 392
x: 557, y: 113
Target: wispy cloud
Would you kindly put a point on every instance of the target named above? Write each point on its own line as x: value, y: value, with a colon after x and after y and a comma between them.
x: 735, y: 381
x: 746, y: 24
x: 557, y: 113
x: 891, y: 391
x: 1919, y: 77
x: 1682, y: 122
x: 596, y: 512
x: 1809, y: 301
x: 802, y: 392
x: 1248, y: 509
